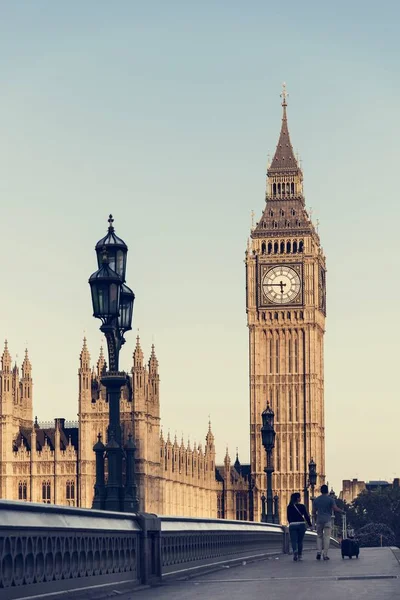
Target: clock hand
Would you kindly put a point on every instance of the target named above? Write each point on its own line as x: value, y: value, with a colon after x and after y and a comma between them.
x: 280, y: 284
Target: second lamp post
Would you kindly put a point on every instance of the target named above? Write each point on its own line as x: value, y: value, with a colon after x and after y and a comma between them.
x: 268, y: 440
x: 113, y: 305
x: 312, y: 480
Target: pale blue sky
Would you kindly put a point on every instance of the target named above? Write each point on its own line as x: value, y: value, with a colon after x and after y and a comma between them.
x: 164, y: 113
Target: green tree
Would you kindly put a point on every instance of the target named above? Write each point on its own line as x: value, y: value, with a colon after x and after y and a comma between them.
x: 376, y: 534
x: 381, y: 506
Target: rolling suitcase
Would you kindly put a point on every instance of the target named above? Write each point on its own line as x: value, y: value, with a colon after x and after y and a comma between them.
x: 348, y: 546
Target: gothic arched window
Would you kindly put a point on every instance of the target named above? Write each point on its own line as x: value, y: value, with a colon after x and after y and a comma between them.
x: 288, y: 247
x: 22, y: 490
x: 46, y: 492
x: 282, y: 247
x: 263, y: 248
x: 269, y: 247
x: 70, y: 493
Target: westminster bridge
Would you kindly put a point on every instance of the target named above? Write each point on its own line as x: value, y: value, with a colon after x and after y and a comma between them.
x: 55, y: 552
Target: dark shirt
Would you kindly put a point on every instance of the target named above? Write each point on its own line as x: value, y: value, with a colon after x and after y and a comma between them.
x: 323, y: 507
x: 293, y: 515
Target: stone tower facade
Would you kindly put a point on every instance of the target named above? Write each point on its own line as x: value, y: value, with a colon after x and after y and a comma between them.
x: 286, y: 309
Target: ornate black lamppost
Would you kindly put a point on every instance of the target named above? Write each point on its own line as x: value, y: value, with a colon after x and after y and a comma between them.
x: 312, y: 480
x: 333, y: 526
x: 268, y: 440
x: 113, y: 305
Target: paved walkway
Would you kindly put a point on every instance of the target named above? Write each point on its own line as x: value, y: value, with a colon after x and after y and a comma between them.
x: 375, y: 575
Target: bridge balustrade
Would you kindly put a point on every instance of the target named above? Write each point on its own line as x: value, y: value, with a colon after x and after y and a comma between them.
x: 47, y: 548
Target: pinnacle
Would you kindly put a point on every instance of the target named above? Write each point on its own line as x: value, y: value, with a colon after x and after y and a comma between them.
x: 6, y: 358
x: 84, y: 355
x: 284, y: 158
x: 138, y: 353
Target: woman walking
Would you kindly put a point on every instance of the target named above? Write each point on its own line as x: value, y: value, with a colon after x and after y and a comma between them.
x: 298, y: 518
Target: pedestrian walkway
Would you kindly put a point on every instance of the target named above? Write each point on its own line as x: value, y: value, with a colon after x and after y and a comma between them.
x: 375, y: 575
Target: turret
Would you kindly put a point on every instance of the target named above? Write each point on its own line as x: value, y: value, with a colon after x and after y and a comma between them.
x: 15, y: 385
x: 154, y: 378
x: 6, y: 359
x: 139, y: 376
x: 210, y: 445
x: 84, y: 357
x: 227, y: 462
x: 26, y: 391
x: 85, y: 376
x: 101, y: 363
x: 6, y: 381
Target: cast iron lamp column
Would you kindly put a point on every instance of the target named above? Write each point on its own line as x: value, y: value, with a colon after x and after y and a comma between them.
x: 333, y: 526
x: 268, y: 440
x: 312, y: 480
x: 113, y: 305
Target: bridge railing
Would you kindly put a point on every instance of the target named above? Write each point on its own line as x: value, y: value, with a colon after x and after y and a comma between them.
x: 47, y: 544
x: 189, y: 543
x: 51, y: 548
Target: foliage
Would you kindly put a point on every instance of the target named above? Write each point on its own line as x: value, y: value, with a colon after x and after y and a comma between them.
x: 379, y: 507
x: 376, y: 534
x: 338, y: 516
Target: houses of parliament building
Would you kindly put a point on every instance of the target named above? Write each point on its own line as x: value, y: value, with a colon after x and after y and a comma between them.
x: 286, y: 309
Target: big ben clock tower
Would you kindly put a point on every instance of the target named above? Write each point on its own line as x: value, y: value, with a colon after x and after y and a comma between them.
x: 286, y: 309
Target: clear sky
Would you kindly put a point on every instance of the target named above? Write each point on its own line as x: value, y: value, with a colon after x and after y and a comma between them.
x: 164, y: 113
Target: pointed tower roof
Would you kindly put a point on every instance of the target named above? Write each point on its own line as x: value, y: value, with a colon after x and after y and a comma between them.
x: 153, y: 362
x: 6, y: 358
x: 227, y: 459
x: 84, y: 356
x: 237, y: 464
x: 210, y: 435
x: 138, y: 354
x: 284, y: 159
x: 101, y: 363
x: 26, y: 365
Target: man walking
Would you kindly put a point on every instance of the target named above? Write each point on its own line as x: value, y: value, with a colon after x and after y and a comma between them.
x: 322, y: 512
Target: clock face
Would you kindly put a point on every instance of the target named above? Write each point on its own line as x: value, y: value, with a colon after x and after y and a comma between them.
x: 281, y: 284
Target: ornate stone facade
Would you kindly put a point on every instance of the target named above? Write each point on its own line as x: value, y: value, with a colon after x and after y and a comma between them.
x: 54, y: 462
x: 285, y: 289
